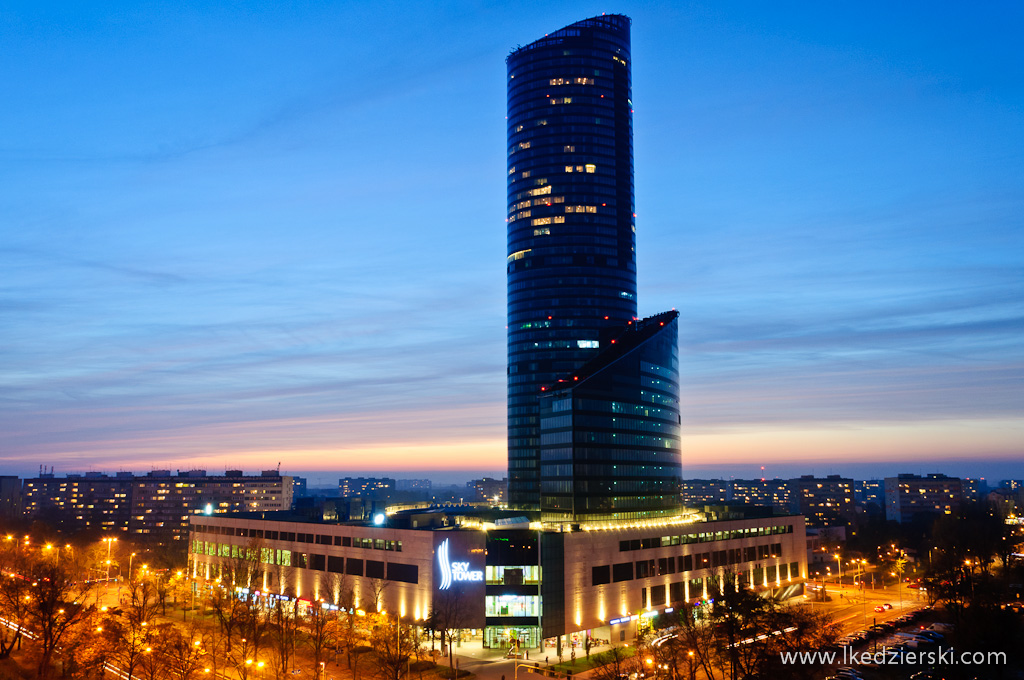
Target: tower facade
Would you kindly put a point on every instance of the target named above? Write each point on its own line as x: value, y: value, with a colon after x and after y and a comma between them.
x: 571, y: 228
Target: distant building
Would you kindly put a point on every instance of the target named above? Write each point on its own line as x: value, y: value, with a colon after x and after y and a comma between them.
x: 911, y: 496
x: 870, y: 491
x: 157, y: 504
x: 413, y: 485
x: 10, y: 497
x: 299, y: 488
x: 973, y: 489
x: 350, y: 487
x: 489, y: 489
x: 698, y: 492
x: 80, y: 502
x: 773, y: 493
x: 824, y: 501
x: 1012, y: 484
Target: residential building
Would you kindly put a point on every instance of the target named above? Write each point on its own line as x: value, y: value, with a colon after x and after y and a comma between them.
x: 489, y: 490
x: 10, y: 497
x: 911, y: 497
x: 824, y: 501
x: 349, y: 487
x: 698, y: 492
x: 772, y: 493
x: 156, y: 505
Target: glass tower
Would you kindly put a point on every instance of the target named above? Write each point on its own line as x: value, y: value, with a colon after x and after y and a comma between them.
x: 572, y: 261
x: 571, y: 257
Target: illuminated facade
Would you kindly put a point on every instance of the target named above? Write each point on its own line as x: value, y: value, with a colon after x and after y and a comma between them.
x: 572, y: 276
x: 512, y: 581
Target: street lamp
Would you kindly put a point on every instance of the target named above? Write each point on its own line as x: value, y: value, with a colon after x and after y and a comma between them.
x: 110, y: 542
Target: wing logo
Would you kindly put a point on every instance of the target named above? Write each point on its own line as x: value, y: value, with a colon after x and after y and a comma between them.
x: 446, y: 566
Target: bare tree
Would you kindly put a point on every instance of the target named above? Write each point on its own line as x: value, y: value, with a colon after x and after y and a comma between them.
x: 56, y: 608
x: 393, y: 645
x: 183, y: 651
x: 321, y: 629
x: 14, y: 588
x: 449, y: 616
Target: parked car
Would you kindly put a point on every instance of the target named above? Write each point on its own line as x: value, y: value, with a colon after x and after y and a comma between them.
x: 879, y: 608
x: 887, y: 606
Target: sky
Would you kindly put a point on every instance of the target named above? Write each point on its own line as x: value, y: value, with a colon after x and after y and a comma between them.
x: 238, y: 235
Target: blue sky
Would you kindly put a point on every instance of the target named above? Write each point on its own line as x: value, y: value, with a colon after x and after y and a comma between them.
x: 238, y: 234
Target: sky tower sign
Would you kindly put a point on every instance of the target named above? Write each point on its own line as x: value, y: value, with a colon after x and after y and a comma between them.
x: 453, y: 571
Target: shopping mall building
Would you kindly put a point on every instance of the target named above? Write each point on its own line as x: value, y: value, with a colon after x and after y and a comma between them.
x: 512, y: 579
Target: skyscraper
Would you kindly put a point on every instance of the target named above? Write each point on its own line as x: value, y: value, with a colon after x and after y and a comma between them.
x: 572, y: 289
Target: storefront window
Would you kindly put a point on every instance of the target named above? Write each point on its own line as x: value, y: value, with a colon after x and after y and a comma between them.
x: 512, y: 605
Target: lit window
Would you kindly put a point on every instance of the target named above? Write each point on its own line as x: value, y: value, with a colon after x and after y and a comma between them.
x: 558, y: 220
x: 541, y: 220
x: 540, y: 192
x: 588, y: 344
x: 519, y: 128
x: 544, y: 231
x: 561, y: 100
x: 591, y: 167
x: 584, y: 81
x: 524, y: 145
x: 526, y: 173
x: 518, y: 255
x: 568, y: 148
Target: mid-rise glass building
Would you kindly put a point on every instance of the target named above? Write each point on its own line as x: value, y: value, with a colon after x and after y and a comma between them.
x: 571, y: 246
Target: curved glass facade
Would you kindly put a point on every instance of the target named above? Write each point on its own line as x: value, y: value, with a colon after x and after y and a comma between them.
x: 571, y: 233
x: 610, y: 433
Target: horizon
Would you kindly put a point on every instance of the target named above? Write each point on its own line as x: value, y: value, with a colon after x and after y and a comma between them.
x: 278, y: 237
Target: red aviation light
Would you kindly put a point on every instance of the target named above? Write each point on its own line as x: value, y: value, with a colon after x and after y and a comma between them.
x: 575, y: 377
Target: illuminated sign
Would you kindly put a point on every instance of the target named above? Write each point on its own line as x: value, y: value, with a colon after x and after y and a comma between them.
x: 454, y: 571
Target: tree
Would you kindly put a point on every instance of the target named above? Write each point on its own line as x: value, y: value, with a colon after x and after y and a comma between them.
x: 56, y: 608
x: 393, y: 645
x: 183, y: 651
x: 321, y: 629
x: 14, y: 587
x: 449, y: 616
x: 285, y: 624
x: 619, y: 662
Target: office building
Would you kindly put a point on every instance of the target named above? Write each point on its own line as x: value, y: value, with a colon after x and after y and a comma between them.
x: 513, y: 579
x: 572, y: 309
x: 911, y: 498
x: 597, y: 542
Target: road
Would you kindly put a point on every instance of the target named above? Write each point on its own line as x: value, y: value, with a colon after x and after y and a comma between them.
x: 855, y: 610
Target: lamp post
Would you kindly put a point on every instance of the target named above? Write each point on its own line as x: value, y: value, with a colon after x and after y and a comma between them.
x: 110, y: 542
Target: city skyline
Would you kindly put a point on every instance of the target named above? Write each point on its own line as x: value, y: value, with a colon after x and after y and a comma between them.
x: 277, y: 237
